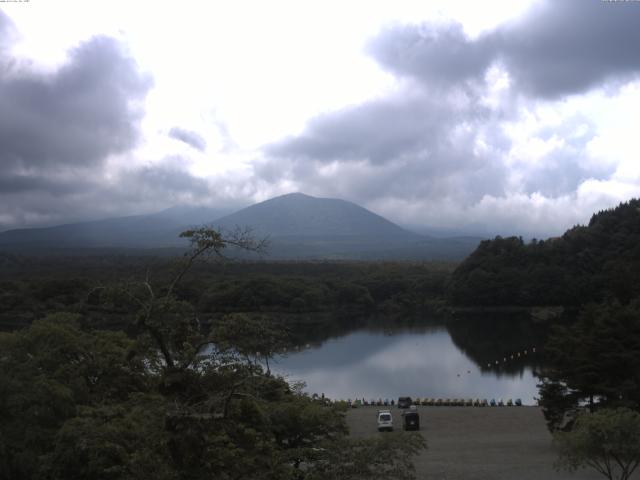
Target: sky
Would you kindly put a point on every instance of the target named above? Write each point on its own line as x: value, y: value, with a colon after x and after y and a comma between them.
x: 519, y: 117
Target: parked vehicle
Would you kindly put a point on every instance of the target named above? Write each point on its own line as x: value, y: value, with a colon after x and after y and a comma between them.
x: 404, y: 402
x: 385, y: 420
x: 410, y: 420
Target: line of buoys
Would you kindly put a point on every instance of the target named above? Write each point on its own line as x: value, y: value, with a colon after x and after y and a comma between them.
x: 512, y: 356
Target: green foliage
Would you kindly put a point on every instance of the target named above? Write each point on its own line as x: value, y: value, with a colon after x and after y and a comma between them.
x: 607, y: 441
x: 300, y: 422
x: 113, y: 441
x: 179, y: 398
x: 596, y: 360
x: 559, y: 403
x: 50, y: 371
x: 384, y: 458
x: 586, y: 264
x: 256, y: 338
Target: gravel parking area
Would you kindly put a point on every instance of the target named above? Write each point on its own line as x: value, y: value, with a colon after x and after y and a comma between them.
x: 490, y: 443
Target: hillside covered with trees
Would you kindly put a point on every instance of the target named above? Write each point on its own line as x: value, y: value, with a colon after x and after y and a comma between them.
x: 588, y: 263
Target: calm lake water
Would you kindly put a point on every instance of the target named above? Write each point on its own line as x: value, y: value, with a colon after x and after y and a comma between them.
x: 418, y: 363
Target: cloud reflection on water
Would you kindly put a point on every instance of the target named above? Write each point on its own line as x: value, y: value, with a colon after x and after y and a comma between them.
x: 375, y: 365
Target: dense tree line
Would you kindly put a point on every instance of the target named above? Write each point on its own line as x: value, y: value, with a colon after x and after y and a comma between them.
x: 586, y: 264
x: 329, y: 294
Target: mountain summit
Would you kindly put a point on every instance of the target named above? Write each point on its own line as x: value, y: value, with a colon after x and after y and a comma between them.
x: 300, y: 215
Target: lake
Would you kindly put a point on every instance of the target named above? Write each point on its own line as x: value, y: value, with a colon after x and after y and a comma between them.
x: 417, y: 362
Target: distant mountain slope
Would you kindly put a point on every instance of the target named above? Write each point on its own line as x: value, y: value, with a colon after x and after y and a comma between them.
x: 298, y: 215
x: 139, y: 231
x: 588, y: 263
x: 299, y: 227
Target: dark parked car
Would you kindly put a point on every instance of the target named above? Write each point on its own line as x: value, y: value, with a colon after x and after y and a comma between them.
x: 410, y: 420
x: 404, y: 402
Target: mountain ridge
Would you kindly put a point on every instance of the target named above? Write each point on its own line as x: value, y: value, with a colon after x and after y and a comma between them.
x: 299, y: 226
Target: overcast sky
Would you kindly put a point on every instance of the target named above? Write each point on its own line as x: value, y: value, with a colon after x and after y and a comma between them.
x: 519, y: 117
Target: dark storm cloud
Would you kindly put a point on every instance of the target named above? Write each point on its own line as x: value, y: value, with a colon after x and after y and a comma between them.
x: 376, y: 131
x: 11, y: 183
x: 438, y: 139
x: 558, y: 48
x: 441, y: 55
x: 37, y: 200
x: 573, y: 45
x: 413, y: 145
x: 413, y: 126
x: 76, y: 116
x: 192, y: 139
x: 58, y: 128
x: 165, y: 179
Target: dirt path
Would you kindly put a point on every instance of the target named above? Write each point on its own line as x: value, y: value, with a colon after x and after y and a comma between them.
x: 491, y: 443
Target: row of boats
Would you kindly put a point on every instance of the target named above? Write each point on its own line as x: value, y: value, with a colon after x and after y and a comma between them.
x: 437, y: 402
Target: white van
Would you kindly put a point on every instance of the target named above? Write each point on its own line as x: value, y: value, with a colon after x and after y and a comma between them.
x: 385, y: 420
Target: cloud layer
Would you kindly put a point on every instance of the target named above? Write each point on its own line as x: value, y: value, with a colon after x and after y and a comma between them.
x: 559, y: 48
x: 58, y: 129
x: 68, y: 140
x: 520, y: 129
x: 466, y: 128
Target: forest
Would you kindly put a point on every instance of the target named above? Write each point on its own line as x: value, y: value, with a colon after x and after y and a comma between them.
x: 141, y: 368
x: 315, y: 295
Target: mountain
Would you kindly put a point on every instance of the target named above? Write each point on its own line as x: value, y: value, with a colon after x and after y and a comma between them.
x: 304, y: 227
x: 156, y: 230
x: 298, y: 226
x: 300, y: 215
